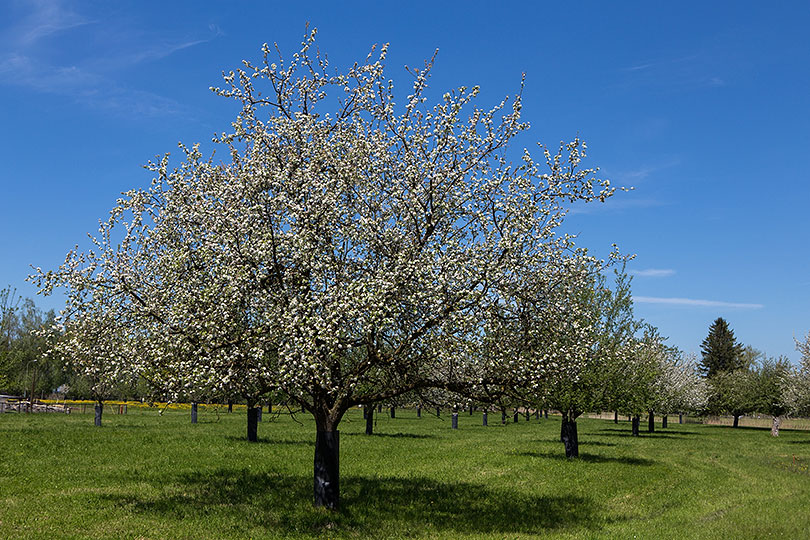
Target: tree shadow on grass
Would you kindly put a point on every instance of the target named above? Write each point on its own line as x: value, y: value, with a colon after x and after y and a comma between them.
x: 745, y: 428
x: 393, y: 435
x: 667, y: 434
x: 266, y: 440
x: 803, y: 441
x: 589, y: 442
x: 582, y: 442
x: 409, y: 506
x: 588, y: 458
x: 425, y: 416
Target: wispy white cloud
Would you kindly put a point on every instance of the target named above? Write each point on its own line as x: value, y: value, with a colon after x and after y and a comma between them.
x: 92, y: 80
x: 615, y: 204
x: 653, y: 272
x: 154, y: 52
x: 638, y: 67
x: 686, y: 72
x: 47, y: 17
x: 85, y: 87
x: 638, y: 174
x: 216, y: 30
x: 663, y: 62
x: 644, y: 172
x: 695, y: 302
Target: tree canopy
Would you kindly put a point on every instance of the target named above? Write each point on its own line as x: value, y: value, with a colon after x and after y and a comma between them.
x: 721, y: 352
x: 352, y: 250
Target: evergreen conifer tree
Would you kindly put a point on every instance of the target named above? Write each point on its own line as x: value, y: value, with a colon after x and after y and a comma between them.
x: 721, y: 352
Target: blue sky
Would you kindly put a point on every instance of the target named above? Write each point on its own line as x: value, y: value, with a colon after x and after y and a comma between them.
x: 702, y: 107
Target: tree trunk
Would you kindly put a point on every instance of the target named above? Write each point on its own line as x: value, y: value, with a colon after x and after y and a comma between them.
x: 484, y: 418
x: 536, y: 414
x: 528, y: 415
x: 438, y: 412
x: 777, y: 421
x: 651, y: 423
x: 270, y: 408
x: 503, y: 417
x: 545, y: 413
x: 230, y: 406
x: 379, y: 408
x: 736, y: 421
x: 680, y: 418
x: 393, y: 413
x: 471, y: 410
x: 419, y: 412
x: 634, y: 423
x: 569, y: 437
x: 615, y: 417
x: 664, y: 422
x: 259, y: 413
x: 99, y: 411
x: 252, y: 423
x: 370, y: 421
x: 454, y: 421
x: 516, y: 416
x: 33, y: 387
x: 327, y: 469
x: 193, y: 412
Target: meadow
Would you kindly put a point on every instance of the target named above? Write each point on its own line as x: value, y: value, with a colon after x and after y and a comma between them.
x: 147, y: 475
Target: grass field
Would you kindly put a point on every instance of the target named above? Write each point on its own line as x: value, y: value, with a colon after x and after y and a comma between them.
x: 142, y: 475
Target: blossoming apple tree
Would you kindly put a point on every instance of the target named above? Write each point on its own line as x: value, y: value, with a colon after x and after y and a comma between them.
x: 352, y: 249
x: 797, y: 392
x: 679, y: 386
x: 570, y: 336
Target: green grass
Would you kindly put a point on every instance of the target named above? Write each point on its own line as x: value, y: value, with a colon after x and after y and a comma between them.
x: 149, y: 476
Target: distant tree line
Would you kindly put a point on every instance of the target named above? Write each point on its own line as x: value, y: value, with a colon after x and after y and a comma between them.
x: 744, y: 381
x: 26, y: 337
